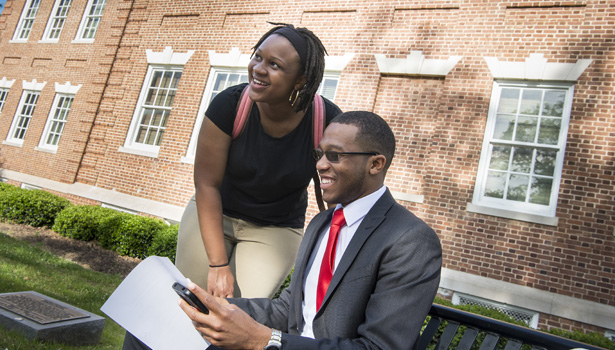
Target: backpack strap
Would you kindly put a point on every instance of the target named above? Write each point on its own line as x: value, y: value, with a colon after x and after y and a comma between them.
x: 243, y: 112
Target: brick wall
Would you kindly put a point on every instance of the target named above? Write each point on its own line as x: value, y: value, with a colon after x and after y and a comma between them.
x: 439, y: 122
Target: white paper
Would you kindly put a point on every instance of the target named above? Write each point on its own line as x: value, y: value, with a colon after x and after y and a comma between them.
x: 145, y: 305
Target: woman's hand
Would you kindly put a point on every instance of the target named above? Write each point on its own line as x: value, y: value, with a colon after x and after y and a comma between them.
x: 220, y: 282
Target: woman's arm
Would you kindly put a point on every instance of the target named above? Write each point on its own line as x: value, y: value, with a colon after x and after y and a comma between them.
x: 209, y: 168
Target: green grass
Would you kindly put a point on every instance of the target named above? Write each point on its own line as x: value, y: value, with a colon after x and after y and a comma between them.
x: 24, y: 267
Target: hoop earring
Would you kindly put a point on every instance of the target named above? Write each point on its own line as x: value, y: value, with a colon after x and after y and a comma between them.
x: 293, y: 99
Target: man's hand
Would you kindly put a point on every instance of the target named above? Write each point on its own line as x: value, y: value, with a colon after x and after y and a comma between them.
x: 226, y: 325
x: 220, y: 282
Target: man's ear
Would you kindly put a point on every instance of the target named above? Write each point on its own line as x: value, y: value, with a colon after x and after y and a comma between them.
x: 377, y: 164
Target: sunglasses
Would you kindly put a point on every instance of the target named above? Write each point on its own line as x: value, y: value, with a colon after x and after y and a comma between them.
x: 334, y: 157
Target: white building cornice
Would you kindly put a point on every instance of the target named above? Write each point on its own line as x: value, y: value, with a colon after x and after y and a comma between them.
x: 536, y: 67
x: 416, y: 64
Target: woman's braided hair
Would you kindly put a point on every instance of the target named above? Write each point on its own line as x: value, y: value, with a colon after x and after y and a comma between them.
x: 314, y: 63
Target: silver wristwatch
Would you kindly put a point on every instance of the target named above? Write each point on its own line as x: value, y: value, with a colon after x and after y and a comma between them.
x: 275, y: 343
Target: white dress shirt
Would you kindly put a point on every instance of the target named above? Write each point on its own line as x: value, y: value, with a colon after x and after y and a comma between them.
x: 354, y: 214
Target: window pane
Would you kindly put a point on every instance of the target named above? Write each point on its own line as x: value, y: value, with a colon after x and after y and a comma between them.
x: 522, y: 160
x: 328, y: 88
x: 220, y: 83
x: 530, y: 102
x: 545, y: 162
x: 526, y: 129
x: 496, y: 182
x: 549, y: 131
x: 554, y: 103
x: 541, y: 190
x: 504, y: 127
x: 500, y: 157
x: 3, y: 94
x: 517, y: 187
x: 509, y: 101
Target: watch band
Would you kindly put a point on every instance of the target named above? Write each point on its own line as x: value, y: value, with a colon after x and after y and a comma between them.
x: 275, y: 343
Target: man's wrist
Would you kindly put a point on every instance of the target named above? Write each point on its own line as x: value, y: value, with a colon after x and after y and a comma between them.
x: 275, y: 342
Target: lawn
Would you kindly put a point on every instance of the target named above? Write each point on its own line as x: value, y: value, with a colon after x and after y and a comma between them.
x: 25, y: 267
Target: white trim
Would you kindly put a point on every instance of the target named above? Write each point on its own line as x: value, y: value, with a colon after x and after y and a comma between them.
x: 5, y: 83
x: 233, y: 59
x: 168, y: 56
x: 529, y: 298
x: 536, y: 67
x: 416, y: 64
x: 138, y: 204
x: 130, y: 146
x: 408, y: 197
x: 50, y: 20
x: 67, y: 88
x: 535, y: 212
x: 33, y: 85
x: 511, y: 214
x: 42, y: 144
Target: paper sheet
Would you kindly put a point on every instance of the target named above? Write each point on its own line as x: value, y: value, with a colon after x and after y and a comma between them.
x: 145, y: 305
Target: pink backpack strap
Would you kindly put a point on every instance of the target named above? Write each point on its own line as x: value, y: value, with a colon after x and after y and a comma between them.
x: 243, y: 111
x: 319, y: 120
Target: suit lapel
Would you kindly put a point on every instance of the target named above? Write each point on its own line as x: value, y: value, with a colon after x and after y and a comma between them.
x: 369, y: 224
x: 316, y: 226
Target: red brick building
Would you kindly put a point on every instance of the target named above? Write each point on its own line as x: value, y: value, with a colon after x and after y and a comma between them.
x: 502, y: 111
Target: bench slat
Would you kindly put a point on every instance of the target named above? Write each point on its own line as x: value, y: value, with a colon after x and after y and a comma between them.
x: 447, y: 336
x: 428, y: 332
x: 491, y: 340
x: 513, y: 345
x: 468, y: 339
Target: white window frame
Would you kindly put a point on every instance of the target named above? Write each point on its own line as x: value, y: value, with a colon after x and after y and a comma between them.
x: 234, y: 62
x: 5, y: 87
x: 26, y: 21
x: 88, y: 16
x: 163, y: 60
x: 24, y: 114
x: 3, y: 95
x: 58, y: 116
x: 532, y: 211
x: 56, y: 21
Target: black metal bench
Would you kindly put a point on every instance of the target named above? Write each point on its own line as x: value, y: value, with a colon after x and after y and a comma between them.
x: 489, y: 330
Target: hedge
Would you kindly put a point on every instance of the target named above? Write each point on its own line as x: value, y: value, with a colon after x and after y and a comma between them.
x: 36, y: 208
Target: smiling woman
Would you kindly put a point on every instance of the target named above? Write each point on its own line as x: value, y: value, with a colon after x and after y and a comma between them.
x: 251, y: 195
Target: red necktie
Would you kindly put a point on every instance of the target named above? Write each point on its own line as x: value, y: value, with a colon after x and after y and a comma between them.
x: 328, y: 260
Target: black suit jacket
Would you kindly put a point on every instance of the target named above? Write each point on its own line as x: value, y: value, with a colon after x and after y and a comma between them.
x: 380, y: 292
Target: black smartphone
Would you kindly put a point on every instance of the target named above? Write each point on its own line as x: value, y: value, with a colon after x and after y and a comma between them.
x: 189, y: 297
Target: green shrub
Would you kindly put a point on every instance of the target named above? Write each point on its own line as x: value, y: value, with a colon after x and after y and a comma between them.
x: 36, y: 208
x: 109, y: 234
x: 7, y: 187
x: 596, y: 339
x: 136, y: 234
x: 81, y: 222
x: 165, y: 242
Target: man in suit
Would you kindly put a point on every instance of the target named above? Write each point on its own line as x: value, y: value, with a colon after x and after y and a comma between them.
x: 385, y: 268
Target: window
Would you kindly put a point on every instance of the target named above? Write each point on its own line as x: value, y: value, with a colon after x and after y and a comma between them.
x: 3, y: 94
x: 56, y: 121
x: 56, y: 20
x: 523, y: 149
x: 17, y: 133
x: 26, y: 21
x: 153, y: 109
x: 91, y: 20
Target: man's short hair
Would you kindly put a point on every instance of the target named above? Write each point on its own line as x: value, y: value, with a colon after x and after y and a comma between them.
x: 374, y: 135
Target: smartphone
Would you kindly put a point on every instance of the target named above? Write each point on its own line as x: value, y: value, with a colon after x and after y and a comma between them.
x: 189, y: 297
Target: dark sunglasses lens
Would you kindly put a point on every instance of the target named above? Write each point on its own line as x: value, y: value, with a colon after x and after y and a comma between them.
x: 332, y: 156
x: 317, y: 154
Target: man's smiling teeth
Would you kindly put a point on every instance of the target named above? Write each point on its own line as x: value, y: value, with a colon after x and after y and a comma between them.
x: 259, y: 82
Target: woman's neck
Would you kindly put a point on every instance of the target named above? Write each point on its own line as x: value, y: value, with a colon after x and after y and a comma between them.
x: 279, y: 120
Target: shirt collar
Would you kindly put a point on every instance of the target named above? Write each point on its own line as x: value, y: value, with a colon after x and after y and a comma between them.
x: 356, y: 210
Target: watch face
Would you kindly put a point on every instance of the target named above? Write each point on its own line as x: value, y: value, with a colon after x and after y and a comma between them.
x: 272, y: 347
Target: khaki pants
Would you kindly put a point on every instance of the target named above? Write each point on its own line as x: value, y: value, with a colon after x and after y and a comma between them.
x: 260, y: 257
